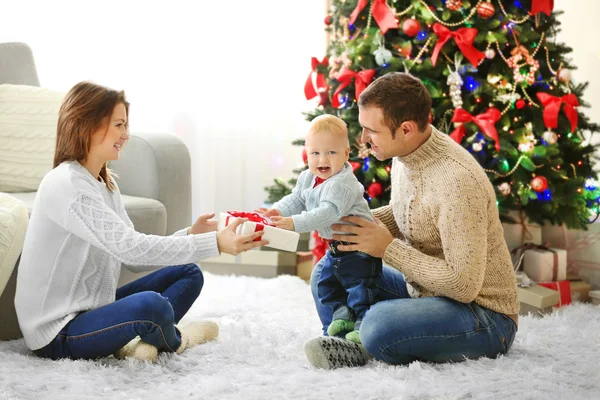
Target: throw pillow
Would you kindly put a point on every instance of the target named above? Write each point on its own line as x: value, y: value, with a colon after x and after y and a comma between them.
x: 13, y: 224
x: 28, y: 119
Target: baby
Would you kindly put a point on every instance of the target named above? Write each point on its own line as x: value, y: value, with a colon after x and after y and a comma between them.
x: 325, y: 193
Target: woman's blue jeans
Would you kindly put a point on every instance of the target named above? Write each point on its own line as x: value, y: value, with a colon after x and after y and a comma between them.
x: 399, y: 329
x: 148, y: 307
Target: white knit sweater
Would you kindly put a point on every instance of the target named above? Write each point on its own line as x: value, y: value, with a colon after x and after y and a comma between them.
x: 78, y: 237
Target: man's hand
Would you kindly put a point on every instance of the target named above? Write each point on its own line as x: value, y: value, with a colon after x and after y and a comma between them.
x: 284, y: 222
x: 268, y: 212
x: 372, y: 238
x: 203, y: 225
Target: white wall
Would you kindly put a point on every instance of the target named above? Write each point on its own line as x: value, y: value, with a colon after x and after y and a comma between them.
x: 226, y: 77
x: 580, y: 31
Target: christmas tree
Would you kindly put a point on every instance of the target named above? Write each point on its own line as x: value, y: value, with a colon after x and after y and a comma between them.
x: 500, y: 84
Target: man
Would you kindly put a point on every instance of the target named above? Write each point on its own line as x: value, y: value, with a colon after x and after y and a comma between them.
x: 448, y: 290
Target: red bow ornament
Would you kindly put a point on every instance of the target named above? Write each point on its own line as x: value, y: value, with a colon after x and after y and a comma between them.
x: 552, y: 107
x: 485, y: 122
x: 362, y: 79
x: 544, y: 6
x: 463, y: 37
x: 309, y: 88
x: 383, y: 14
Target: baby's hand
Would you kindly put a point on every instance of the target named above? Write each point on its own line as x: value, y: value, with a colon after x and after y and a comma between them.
x: 284, y: 222
x: 268, y: 212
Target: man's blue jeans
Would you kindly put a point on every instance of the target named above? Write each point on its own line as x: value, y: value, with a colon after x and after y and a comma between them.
x: 399, y: 329
x: 148, y: 307
x: 349, y: 285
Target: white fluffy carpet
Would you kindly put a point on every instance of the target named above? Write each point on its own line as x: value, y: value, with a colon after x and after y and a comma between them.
x: 264, y: 323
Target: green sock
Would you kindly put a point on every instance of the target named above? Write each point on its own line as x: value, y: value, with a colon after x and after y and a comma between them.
x: 353, y: 336
x: 340, y: 325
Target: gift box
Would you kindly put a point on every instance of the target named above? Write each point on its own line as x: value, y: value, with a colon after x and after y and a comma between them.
x: 280, y: 239
x: 521, y: 232
x: 580, y: 291
x: 544, y: 264
x: 265, y: 264
x: 538, y: 296
x: 563, y: 288
x: 304, y: 264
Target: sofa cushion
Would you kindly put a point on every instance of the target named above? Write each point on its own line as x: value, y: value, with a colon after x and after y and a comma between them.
x: 147, y: 215
x: 28, y: 119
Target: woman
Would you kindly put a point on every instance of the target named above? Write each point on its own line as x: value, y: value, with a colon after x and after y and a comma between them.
x: 67, y: 300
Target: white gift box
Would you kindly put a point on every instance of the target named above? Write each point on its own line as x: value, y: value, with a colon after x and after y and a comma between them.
x: 280, y: 239
x: 545, y: 265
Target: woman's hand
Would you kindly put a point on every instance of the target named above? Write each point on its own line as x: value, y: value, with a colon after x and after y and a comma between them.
x: 284, y: 223
x: 203, y: 225
x: 231, y: 243
x: 268, y: 212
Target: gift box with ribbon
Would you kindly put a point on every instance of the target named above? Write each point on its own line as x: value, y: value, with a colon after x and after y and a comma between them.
x: 563, y: 288
x: 541, y: 263
x: 280, y: 239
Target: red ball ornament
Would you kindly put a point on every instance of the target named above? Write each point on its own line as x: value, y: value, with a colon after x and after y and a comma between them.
x: 304, y: 155
x: 486, y: 10
x: 453, y: 5
x: 539, y: 184
x: 328, y: 20
x: 411, y: 27
x: 355, y: 165
x: 520, y: 104
x: 375, y: 189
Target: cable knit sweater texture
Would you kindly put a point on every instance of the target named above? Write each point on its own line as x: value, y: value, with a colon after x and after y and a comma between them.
x: 448, y: 236
x: 317, y: 208
x: 78, y: 237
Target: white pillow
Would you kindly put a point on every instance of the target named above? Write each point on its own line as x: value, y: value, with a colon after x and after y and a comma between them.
x: 13, y: 224
x: 28, y: 119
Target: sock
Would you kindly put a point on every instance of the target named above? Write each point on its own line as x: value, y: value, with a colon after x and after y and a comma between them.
x: 353, y: 336
x: 138, y: 350
x: 339, y: 325
x: 332, y: 352
x: 196, y: 333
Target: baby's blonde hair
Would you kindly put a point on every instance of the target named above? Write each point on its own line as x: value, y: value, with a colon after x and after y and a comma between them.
x: 331, y: 124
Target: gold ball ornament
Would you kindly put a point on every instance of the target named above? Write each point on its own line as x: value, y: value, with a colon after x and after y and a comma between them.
x: 550, y: 137
x: 564, y: 75
x: 504, y: 188
x: 486, y: 10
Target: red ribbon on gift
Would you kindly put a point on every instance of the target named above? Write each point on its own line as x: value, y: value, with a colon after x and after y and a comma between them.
x: 545, y: 6
x: 382, y: 13
x: 552, y: 108
x: 260, y: 220
x: 563, y: 288
x: 485, y: 122
x: 309, y: 88
x: 362, y: 79
x: 463, y: 37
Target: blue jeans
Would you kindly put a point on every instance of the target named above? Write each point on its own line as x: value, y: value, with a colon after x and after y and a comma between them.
x: 148, y: 307
x: 399, y: 329
x: 349, y: 285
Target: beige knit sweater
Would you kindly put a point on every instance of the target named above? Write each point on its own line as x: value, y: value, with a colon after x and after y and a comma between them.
x: 449, y: 239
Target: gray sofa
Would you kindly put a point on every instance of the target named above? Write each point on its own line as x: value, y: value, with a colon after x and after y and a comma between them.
x: 154, y: 176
